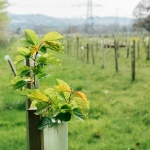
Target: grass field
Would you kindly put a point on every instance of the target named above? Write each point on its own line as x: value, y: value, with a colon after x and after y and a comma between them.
x: 119, y: 115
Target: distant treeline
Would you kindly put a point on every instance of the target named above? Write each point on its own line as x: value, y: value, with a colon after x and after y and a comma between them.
x: 42, y: 24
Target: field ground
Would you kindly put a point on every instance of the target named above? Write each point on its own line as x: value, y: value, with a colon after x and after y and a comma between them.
x: 119, y: 115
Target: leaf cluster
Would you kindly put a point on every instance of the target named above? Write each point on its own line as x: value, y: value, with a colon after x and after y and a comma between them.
x: 35, y: 54
x: 57, y: 104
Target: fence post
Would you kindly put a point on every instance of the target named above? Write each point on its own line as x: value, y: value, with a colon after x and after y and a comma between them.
x: 102, y: 53
x: 116, y: 55
x: 93, y: 59
x: 77, y: 47
x: 87, y: 53
x: 117, y: 47
x: 138, y: 48
x: 128, y: 47
x: 133, y: 61
x: 147, y: 49
x: 68, y: 47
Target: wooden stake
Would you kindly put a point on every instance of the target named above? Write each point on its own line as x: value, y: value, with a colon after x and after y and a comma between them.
x: 133, y: 61
x: 34, y: 136
x: 138, y: 49
x: 116, y: 55
x: 128, y: 48
x: 77, y: 47
x: 102, y: 53
x: 68, y: 47
x: 147, y: 50
x: 117, y: 47
x: 93, y: 59
x: 87, y: 53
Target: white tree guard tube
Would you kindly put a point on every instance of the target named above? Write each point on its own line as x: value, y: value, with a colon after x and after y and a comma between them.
x: 56, y: 137
x: 8, y: 59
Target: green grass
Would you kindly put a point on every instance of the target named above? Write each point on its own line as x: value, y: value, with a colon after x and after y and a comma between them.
x: 13, y: 130
x: 119, y: 115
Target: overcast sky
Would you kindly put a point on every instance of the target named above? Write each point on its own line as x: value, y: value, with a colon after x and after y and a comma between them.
x: 73, y: 8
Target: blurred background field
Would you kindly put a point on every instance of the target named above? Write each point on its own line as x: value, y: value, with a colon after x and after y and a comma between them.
x: 119, y: 108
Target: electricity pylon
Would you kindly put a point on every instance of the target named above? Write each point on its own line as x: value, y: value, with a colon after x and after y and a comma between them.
x: 89, y: 18
x: 89, y: 28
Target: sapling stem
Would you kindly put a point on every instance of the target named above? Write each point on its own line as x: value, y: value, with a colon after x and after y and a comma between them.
x: 71, y: 93
x: 34, y: 68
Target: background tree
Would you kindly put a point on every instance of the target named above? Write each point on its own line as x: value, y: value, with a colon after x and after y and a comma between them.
x: 3, y: 19
x: 142, y: 14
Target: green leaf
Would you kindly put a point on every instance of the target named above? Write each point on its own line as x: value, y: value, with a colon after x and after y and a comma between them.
x: 46, y: 55
x: 33, y: 104
x: 38, y: 69
x: 49, y: 91
x: 54, y: 99
x: 54, y: 61
x: 59, y: 81
x: 64, y: 116
x: 25, y: 92
x: 42, y: 75
x: 55, y: 45
x: 48, y: 59
x: 65, y: 108
x: 73, y: 105
x: 18, y: 83
x: 41, y: 107
x: 64, y: 95
x: 83, y: 105
x: 37, y: 95
x: 52, y: 36
x: 24, y: 71
x: 43, y: 49
x: 18, y: 59
x: 31, y: 36
x: 62, y: 86
x: 24, y: 43
x: 42, y: 60
x: 45, y: 122
x: 78, y: 113
x: 25, y: 52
